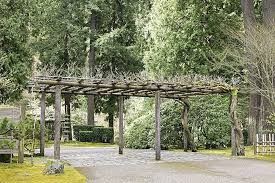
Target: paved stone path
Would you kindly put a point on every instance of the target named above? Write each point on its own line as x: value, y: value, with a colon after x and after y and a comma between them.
x: 105, y: 165
x: 93, y: 156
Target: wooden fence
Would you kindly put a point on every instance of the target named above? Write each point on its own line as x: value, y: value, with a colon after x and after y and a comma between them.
x: 12, y: 113
x: 265, y: 143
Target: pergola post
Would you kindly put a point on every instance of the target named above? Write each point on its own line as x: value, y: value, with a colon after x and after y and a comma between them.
x: 90, y: 110
x: 120, y: 106
x: 237, y: 139
x: 42, y: 123
x: 157, y: 120
x: 57, y: 122
x: 68, y: 113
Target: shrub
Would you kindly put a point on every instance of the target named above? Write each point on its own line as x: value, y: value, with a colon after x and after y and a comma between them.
x: 97, y: 134
x: 207, y: 119
x: 140, y: 133
x: 78, y: 128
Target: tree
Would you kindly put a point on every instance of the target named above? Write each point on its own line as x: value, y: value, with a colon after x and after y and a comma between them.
x: 182, y: 36
x: 258, y: 102
x: 250, y: 23
x: 15, y: 62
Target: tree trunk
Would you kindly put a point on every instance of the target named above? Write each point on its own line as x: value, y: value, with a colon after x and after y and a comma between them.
x: 91, y: 65
x: 237, y: 133
x: 265, y: 105
x: 269, y: 13
x: 248, y: 14
x: 111, y: 119
x: 188, y: 138
x: 254, y: 105
x: 254, y: 116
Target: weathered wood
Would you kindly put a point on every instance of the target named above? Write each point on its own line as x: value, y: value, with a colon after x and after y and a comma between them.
x: 184, y: 123
x: 162, y: 94
x: 42, y: 123
x: 91, y: 110
x: 153, y: 87
x: 187, y: 135
x: 233, y: 141
x: 57, y: 122
x: 237, y: 134
x: 68, y: 114
x: 157, y: 125
x: 21, y: 140
x: 120, y: 106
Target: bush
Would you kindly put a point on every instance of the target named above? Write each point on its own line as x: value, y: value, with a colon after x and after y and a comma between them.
x: 97, y: 134
x: 140, y: 133
x: 208, y: 121
x: 78, y: 128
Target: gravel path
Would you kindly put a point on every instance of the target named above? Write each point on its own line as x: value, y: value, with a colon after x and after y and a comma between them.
x: 105, y: 165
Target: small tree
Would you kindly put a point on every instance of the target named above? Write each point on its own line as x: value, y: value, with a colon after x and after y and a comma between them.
x: 6, y: 129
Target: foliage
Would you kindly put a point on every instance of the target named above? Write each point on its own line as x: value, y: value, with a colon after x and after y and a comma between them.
x: 208, y: 120
x: 270, y: 123
x: 140, y: 131
x: 97, y: 134
x: 15, y: 62
x: 182, y: 36
x: 6, y: 129
x: 22, y: 130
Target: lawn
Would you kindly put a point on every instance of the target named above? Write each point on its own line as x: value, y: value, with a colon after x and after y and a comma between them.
x: 82, y: 144
x: 19, y: 173
x: 249, y: 153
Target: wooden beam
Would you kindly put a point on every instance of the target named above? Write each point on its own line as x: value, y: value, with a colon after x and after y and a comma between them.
x: 120, y: 106
x: 157, y: 121
x: 57, y: 122
x: 66, y: 88
x: 163, y: 95
x: 138, y: 87
x: 42, y: 123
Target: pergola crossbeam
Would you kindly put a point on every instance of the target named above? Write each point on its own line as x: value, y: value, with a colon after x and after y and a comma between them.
x: 123, y: 88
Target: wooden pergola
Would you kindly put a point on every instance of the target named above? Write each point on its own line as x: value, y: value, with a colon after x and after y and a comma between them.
x: 172, y: 89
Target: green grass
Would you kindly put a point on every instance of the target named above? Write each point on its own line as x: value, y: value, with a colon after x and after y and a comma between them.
x: 83, y: 144
x: 18, y: 173
x: 249, y: 153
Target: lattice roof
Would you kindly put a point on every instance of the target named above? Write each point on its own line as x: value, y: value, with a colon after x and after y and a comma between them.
x: 169, y: 88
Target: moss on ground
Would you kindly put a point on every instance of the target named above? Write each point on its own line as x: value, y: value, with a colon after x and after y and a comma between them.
x: 249, y: 153
x: 83, y: 144
x: 18, y: 173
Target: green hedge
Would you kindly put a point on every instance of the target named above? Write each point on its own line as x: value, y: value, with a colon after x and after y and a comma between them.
x: 78, y: 128
x: 97, y: 134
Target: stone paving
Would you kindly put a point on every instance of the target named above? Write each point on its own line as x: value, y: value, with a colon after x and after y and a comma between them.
x: 94, y: 156
x: 105, y: 165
